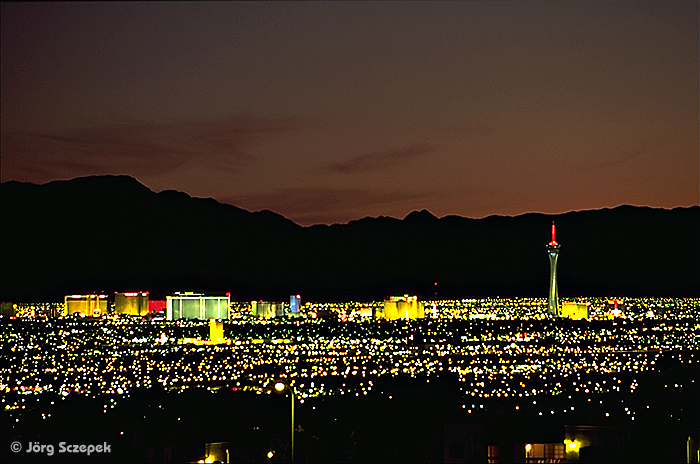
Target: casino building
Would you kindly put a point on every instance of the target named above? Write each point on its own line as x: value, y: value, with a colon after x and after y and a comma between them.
x: 267, y: 309
x: 131, y: 303
x: 573, y: 310
x: 403, y: 307
x: 189, y: 305
x: 86, y: 305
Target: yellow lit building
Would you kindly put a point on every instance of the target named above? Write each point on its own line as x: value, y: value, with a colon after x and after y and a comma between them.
x: 131, y: 303
x: 216, y: 331
x: 573, y: 310
x: 86, y: 305
x: 216, y: 335
x: 403, y: 307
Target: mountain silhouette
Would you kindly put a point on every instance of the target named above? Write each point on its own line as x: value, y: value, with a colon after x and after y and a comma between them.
x: 111, y: 233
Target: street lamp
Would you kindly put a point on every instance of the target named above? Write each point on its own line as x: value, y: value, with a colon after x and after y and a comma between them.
x: 572, y: 446
x: 280, y: 387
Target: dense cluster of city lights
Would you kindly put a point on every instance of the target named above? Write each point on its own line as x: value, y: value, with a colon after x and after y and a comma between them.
x: 496, y: 348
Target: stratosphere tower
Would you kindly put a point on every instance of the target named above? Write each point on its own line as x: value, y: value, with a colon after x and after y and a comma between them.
x: 553, y: 252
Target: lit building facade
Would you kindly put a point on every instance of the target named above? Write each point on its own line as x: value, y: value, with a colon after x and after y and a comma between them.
x: 216, y: 335
x: 86, y: 305
x: 217, y: 451
x: 553, y: 253
x: 572, y: 310
x: 157, y: 306
x: 294, y: 303
x: 267, y: 309
x: 615, y: 308
x: 9, y: 309
x: 131, y: 303
x: 216, y: 331
x: 403, y: 307
x: 190, y: 305
x: 368, y: 312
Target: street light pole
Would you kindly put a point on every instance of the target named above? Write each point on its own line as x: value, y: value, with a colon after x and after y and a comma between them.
x: 291, y: 393
x: 280, y: 387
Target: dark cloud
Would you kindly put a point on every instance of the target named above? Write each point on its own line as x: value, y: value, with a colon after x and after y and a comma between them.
x: 311, y: 205
x: 139, y: 149
x: 380, y: 160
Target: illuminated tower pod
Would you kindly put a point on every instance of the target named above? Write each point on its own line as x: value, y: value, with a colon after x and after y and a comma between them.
x: 553, y: 252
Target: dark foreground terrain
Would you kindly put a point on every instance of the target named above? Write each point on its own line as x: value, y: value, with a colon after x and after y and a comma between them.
x: 404, y: 420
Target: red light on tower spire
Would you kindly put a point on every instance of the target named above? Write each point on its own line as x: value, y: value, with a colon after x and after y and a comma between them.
x: 554, y: 240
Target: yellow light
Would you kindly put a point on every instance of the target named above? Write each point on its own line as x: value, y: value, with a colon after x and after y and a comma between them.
x: 270, y: 454
x: 279, y: 386
x: 572, y: 445
x: 528, y: 447
x: 208, y: 459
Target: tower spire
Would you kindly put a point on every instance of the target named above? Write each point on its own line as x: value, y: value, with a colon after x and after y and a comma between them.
x: 553, y: 252
x: 554, y: 239
x: 553, y: 234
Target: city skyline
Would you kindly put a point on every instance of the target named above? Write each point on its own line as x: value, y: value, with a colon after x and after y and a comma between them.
x: 491, y: 365
x: 331, y: 112
x: 325, y: 231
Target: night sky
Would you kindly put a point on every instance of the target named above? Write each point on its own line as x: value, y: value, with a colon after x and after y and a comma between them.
x: 332, y: 111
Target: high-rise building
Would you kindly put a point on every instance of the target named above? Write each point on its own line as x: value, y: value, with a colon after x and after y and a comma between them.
x: 131, y: 303
x: 190, y: 305
x: 403, y: 307
x: 267, y: 309
x: 573, y: 310
x: 553, y: 252
x: 86, y: 305
x: 294, y: 303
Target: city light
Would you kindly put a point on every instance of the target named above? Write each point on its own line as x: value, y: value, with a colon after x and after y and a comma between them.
x: 494, y: 350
